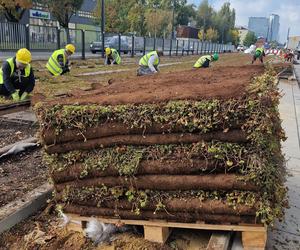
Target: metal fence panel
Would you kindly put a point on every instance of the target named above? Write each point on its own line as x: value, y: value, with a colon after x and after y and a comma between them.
x: 90, y: 37
x: 149, y: 44
x: 159, y: 44
x: 139, y: 44
x: 75, y: 37
x: 167, y: 45
x: 12, y: 36
x: 43, y: 37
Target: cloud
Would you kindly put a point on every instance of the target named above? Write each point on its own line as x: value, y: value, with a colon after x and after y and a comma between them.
x: 288, y: 11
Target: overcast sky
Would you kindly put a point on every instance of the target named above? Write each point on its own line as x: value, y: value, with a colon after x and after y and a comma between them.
x: 288, y: 10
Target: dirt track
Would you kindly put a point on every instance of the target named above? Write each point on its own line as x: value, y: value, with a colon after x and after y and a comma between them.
x: 217, y: 82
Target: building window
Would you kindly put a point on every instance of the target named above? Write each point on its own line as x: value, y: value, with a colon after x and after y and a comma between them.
x: 85, y: 14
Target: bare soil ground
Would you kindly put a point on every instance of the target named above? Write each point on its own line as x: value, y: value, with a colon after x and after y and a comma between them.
x: 11, y: 133
x: 222, y: 82
x: 20, y: 174
x: 48, y: 86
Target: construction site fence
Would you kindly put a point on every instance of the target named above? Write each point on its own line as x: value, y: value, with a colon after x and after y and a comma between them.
x: 47, y: 38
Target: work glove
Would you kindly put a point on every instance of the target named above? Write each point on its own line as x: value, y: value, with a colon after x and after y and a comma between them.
x: 24, y: 96
x: 15, y: 96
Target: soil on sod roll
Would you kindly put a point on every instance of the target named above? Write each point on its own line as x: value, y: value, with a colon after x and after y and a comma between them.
x: 20, y: 174
x: 12, y: 132
x: 164, y: 215
x: 50, y: 136
x: 167, y: 182
x: 152, y: 139
x: 167, y: 166
x: 216, y: 82
x: 182, y: 204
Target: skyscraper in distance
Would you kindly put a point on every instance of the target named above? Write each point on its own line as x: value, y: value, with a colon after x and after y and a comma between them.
x: 273, y: 33
x: 259, y: 25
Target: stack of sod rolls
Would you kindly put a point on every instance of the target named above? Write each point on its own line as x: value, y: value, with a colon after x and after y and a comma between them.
x: 198, y: 148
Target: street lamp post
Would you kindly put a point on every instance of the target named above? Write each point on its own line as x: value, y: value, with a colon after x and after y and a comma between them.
x: 173, y: 18
x: 103, y: 25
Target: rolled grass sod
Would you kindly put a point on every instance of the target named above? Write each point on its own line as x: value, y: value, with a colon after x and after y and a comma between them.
x: 186, y: 146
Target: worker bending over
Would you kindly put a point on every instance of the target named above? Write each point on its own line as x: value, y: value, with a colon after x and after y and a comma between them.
x: 149, y: 63
x: 112, y: 57
x: 58, y: 63
x: 259, y: 53
x: 204, y: 61
x: 16, y: 76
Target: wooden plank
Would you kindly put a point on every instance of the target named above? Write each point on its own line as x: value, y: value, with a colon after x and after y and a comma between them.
x: 18, y: 210
x: 253, y: 228
x: 219, y: 241
x: 254, y: 240
x: 156, y: 234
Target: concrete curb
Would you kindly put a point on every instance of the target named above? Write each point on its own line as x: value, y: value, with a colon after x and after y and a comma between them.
x: 18, y: 210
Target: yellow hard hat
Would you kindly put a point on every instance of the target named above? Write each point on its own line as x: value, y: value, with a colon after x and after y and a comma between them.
x: 23, y: 56
x: 107, y: 51
x: 70, y: 47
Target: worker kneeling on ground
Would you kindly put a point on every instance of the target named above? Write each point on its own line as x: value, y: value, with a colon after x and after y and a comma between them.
x: 16, y: 76
x: 58, y: 63
x: 112, y: 57
x: 259, y: 53
x: 149, y: 63
x: 204, y: 61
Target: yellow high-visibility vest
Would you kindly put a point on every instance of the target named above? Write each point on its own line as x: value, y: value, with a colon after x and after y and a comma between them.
x: 145, y: 59
x: 12, y: 68
x: 116, y: 56
x: 53, y: 65
x: 201, y: 61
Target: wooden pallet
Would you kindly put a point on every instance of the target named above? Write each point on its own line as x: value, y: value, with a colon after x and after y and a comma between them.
x: 254, y: 237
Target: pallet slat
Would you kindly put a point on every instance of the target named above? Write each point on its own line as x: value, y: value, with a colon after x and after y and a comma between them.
x: 240, y: 228
x: 254, y: 237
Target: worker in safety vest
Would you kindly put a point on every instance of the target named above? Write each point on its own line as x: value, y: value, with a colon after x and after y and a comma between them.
x: 149, y: 63
x: 259, y: 53
x: 112, y: 57
x: 58, y: 63
x: 204, y: 61
x: 16, y: 76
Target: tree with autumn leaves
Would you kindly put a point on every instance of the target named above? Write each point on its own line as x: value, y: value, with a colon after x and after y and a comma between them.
x: 13, y: 10
x: 155, y: 18
x: 63, y: 10
x: 142, y: 17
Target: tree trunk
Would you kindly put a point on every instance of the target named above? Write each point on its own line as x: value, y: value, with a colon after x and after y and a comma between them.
x: 67, y: 30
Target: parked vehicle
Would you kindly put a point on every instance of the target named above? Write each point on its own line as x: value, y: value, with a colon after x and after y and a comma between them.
x: 111, y: 42
x: 240, y: 48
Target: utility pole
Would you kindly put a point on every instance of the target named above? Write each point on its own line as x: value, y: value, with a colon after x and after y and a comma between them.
x: 103, y: 25
x: 204, y: 23
x: 288, y: 38
x: 173, y: 19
